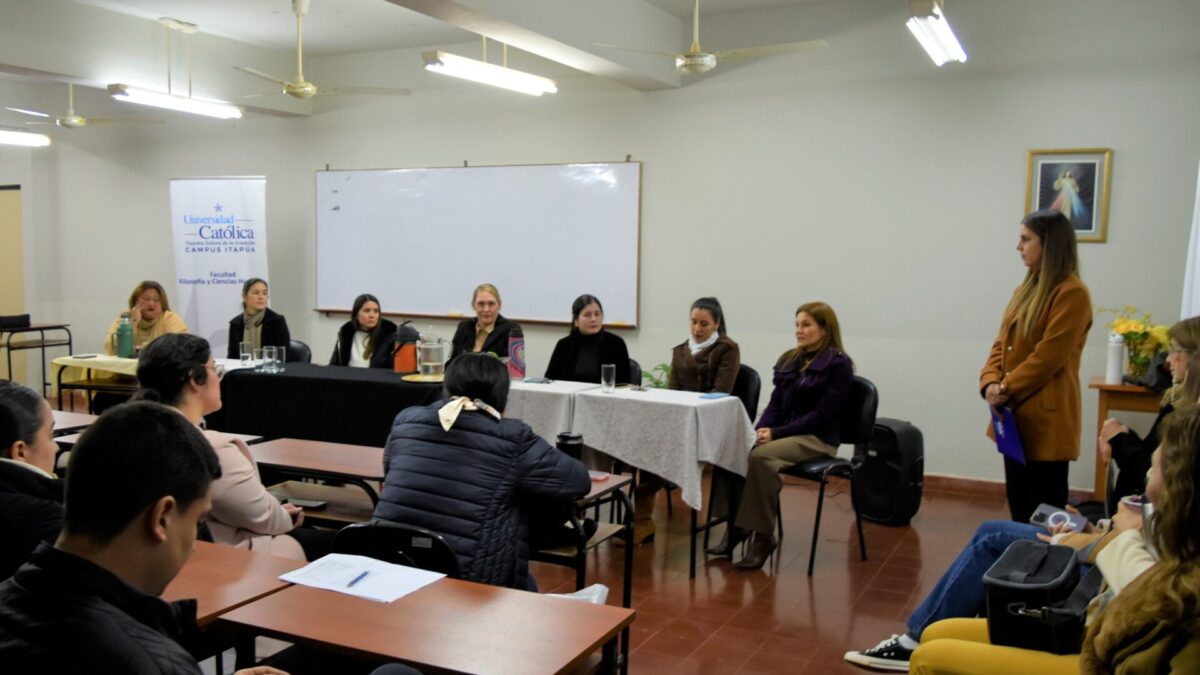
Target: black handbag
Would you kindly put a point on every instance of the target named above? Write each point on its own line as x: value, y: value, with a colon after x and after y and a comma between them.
x: 1036, y: 599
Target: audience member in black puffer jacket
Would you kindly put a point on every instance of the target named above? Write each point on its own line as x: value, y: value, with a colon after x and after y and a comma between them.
x: 458, y: 469
x: 31, y: 497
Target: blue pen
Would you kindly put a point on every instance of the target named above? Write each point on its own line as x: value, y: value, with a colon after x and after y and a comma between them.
x: 358, y: 578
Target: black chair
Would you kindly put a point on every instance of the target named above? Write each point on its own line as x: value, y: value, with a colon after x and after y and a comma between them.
x: 635, y: 373
x: 399, y: 544
x: 857, y: 427
x: 298, y: 352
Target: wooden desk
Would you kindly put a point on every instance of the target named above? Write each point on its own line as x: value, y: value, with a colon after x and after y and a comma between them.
x: 450, y: 625
x: 356, y: 464
x: 71, y: 422
x: 1127, y: 397
x: 343, y: 505
x: 222, y: 578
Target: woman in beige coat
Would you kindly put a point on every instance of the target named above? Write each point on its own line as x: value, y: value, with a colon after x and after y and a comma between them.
x: 178, y: 370
x: 1033, y: 366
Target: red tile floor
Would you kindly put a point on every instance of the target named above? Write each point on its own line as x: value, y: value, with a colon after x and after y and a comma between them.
x: 779, y: 620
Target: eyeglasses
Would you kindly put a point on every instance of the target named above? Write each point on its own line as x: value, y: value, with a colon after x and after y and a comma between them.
x: 218, y: 370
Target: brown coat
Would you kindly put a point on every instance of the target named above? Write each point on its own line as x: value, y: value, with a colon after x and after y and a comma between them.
x: 713, y: 369
x: 1040, y: 373
x: 1137, y: 634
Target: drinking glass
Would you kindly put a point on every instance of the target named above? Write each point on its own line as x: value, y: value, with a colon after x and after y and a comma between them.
x: 608, y: 378
x: 246, y: 351
x: 258, y: 358
x: 268, y: 359
x: 280, y: 359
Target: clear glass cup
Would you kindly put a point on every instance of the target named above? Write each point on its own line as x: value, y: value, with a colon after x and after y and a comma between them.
x: 608, y: 378
x: 268, y: 359
x: 246, y: 352
x: 258, y: 358
x: 280, y: 359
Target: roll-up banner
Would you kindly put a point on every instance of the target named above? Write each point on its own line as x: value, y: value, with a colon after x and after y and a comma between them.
x: 220, y: 240
x: 1191, y: 276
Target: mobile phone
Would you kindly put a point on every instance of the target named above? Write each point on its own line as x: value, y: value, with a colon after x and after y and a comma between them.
x: 1049, y: 516
x: 310, y: 504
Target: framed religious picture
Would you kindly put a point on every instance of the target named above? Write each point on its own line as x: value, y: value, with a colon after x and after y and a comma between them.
x: 1075, y: 182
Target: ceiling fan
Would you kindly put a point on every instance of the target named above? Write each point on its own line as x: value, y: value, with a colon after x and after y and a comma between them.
x: 695, y: 60
x: 73, y: 121
x: 300, y: 88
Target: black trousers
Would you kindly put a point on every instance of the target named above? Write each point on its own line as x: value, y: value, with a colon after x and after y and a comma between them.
x: 1033, y: 484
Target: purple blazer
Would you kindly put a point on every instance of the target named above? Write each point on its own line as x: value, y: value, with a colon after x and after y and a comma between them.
x: 810, y: 403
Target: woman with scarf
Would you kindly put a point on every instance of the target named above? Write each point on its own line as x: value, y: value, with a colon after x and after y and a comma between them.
x: 257, y: 324
x: 485, y: 483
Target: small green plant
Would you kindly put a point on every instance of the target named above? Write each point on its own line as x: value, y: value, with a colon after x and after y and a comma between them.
x: 657, y: 376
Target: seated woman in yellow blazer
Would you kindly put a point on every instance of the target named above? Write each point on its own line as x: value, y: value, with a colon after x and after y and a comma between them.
x: 151, y: 316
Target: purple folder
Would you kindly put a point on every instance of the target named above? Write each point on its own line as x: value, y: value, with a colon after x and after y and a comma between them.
x: 1008, y: 439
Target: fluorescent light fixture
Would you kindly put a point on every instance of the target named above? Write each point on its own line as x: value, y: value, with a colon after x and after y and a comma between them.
x: 487, y: 73
x: 933, y: 31
x: 23, y: 138
x: 187, y: 104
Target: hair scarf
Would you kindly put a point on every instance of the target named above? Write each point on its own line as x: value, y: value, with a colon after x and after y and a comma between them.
x: 448, y: 414
x: 698, y: 347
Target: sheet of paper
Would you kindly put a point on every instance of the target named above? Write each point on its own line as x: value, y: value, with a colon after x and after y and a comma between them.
x: 383, y: 582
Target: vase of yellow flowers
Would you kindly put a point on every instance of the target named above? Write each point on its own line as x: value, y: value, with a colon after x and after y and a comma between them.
x: 1143, y: 338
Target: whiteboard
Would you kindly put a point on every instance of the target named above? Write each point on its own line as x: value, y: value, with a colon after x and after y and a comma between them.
x: 423, y: 239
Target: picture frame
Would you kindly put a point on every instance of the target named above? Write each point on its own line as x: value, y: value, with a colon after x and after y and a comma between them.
x: 1074, y: 180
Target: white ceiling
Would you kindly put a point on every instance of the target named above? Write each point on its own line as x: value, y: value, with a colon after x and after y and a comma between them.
x: 334, y: 27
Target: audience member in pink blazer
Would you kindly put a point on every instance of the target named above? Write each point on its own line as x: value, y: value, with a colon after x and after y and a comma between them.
x: 178, y: 369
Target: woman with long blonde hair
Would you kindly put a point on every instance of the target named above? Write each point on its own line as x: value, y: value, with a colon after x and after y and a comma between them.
x: 1033, y: 366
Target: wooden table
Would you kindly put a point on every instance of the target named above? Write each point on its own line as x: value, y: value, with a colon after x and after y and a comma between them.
x: 1126, y: 397
x: 343, y: 505
x: 71, y: 422
x: 357, y: 464
x: 450, y: 625
x: 121, y: 379
x: 40, y: 343
x: 222, y: 578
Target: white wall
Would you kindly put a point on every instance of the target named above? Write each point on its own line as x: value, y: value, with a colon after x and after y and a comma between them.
x: 860, y: 175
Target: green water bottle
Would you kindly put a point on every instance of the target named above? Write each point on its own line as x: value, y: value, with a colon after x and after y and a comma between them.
x: 124, y: 337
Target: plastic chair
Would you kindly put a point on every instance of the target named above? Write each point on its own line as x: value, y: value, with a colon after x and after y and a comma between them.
x: 399, y: 544
x: 298, y: 352
x: 857, y: 428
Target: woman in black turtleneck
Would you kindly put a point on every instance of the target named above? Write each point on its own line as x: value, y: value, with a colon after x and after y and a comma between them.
x: 578, y: 356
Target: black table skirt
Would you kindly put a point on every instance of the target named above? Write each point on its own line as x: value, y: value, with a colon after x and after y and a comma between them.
x: 318, y: 403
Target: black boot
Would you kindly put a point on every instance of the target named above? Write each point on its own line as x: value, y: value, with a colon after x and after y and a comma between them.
x: 732, y: 537
x: 761, y: 547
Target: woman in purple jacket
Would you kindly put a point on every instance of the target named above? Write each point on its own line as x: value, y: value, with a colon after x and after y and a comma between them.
x: 801, y: 422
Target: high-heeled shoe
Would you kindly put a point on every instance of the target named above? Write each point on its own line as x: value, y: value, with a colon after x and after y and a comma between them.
x: 733, y: 536
x: 760, y: 548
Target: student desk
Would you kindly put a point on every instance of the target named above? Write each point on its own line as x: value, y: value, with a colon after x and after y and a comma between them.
x: 449, y: 625
x: 1126, y: 397
x: 71, y: 422
x: 319, y: 403
x: 41, y: 343
x: 222, y: 578
x: 355, y: 464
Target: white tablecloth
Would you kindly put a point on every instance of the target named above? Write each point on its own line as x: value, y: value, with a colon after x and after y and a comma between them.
x: 548, y: 408
x: 669, y: 433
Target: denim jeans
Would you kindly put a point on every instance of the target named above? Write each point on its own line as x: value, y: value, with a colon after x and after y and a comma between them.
x: 960, y: 593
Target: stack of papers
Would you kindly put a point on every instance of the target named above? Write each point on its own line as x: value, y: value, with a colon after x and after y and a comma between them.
x: 361, y: 576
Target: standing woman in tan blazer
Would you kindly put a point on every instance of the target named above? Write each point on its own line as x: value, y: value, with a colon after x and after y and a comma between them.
x: 1033, y: 367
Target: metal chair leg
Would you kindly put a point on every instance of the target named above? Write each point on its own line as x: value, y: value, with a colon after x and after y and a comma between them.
x: 779, y: 515
x: 862, y: 543
x: 812, y: 554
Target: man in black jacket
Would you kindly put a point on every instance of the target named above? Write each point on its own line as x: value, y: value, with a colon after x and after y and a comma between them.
x: 139, y: 485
